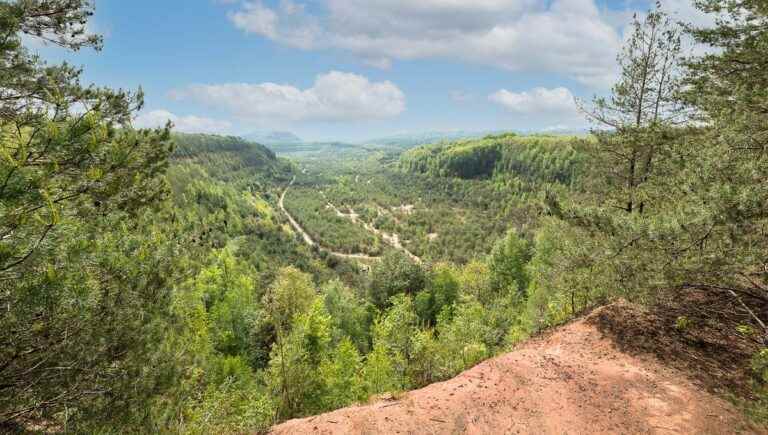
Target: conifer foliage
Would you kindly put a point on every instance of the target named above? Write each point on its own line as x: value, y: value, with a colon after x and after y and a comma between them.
x: 151, y: 288
x: 76, y: 182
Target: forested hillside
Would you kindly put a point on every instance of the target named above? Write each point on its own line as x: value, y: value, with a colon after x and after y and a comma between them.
x: 534, y: 158
x: 224, y: 191
x: 160, y: 282
x: 233, y: 153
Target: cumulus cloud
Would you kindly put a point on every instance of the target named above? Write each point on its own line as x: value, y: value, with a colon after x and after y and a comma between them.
x: 335, y: 96
x: 187, y: 124
x: 288, y: 24
x: 558, y: 101
x: 256, y: 18
x: 572, y: 37
x: 553, y: 110
x: 686, y: 11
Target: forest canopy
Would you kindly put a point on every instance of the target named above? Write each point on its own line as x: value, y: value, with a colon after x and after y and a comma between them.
x: 152, y: 281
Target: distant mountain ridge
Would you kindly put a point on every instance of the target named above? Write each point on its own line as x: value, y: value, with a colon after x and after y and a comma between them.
x: 288, y: 144
x: 273, y: 138
x: 410, y: 140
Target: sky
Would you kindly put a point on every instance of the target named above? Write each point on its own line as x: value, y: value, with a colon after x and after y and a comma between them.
x: 357, y: 69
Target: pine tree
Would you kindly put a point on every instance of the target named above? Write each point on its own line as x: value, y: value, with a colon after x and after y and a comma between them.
x: 633, y: 119
x: 725, y: 248
x: 81, y: 286
x: 507, y: 263
x: 341, y: 373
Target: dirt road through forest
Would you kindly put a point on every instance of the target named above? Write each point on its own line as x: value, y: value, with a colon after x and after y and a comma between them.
x: 308, y: 239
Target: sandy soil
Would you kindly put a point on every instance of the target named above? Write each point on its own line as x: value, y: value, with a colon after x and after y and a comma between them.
x: 574, y: 380
x: 392, y: 239
x: 308, y: 239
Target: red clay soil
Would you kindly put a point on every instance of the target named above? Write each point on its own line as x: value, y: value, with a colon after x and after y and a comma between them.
x: 575, y: 380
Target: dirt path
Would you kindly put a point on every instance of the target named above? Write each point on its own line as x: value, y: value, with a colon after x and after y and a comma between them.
x: 572, y: 381
x: 392, y: 239
x: 308, y: 239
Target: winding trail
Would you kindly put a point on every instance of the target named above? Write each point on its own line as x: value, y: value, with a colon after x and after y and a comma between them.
x: 308, y: 239
x: 392, y: 239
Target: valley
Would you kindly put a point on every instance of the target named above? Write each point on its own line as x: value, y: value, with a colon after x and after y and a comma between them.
x: 426, y: 217
x: 308, y: 240
x: 276, y: 237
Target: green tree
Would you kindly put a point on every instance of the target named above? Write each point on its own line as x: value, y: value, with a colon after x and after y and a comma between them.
x: 289, y: 304
x: 395, y: 274
x: 290, y: 294
x: 395, y: 331
x: 231, y: 298
x: 722, y: 244
x: 352, y: 316
x: 462, y: 339
x: 293, y: 374
x: 341, y: 373
x: 698, y: 217
x: 441, y: 291
x: 475, y: 280
x: 422, y: 363
x: 230, y: 408
x: 622, y: 211
x: 568, y: 274
x: 642, y: 104
x: 85, y: 270
x: 380, y: 373
x: 507, y: 263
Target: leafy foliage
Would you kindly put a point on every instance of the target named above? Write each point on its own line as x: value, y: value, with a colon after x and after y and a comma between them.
x: 395, y: 274
x: 83, y: 291
x: 154, y: 288
x: 533, y: 158
x: 507, y: 263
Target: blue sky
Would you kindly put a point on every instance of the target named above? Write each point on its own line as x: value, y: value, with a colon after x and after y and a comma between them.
x: 357, y: 69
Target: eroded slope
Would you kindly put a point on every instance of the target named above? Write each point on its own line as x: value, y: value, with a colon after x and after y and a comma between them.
x: 574, y: 380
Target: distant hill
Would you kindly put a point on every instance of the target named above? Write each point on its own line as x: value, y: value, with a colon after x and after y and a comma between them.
x: 313, y: 150
x: 229, y: 156
x: 287, y: 147
x: 565, y: 130
x: 410, y: 140
x: 547, y: 158
x: 274, y: 138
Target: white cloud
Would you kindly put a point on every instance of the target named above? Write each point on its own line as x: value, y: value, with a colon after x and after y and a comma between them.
x: 687, y: 12
x: 187, y: 124
x: 290, y: 8
x: 379, y: 62
x: 571, y: 37
x: 335, y: 96
x: 256, y: 18
x: 288, y: 24
x: 559, y: 101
